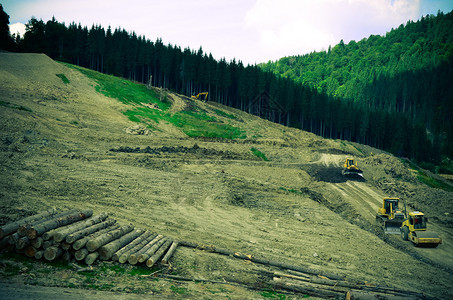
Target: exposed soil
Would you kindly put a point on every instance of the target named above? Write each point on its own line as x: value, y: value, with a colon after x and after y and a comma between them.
x: 65, y: 145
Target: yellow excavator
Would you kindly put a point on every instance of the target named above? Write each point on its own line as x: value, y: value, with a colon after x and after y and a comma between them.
x: 391, y: 215
x: 201, y: 96
x: 414, y: 229
x: 350, y: 169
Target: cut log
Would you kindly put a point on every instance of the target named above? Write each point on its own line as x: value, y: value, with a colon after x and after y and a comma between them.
x: 13, y: 238
x: 71, y: 238
x: 22, y: 242
x: 61, y: 234
x: 83, y: 241
x: 106, y: 251
x: 65, y: 246
x: 23, y: 229
x: 81, y: 253
x: 52, y: 252
x: 135, y: 257
x: 158, y: 254
x: 91, y: 258
x: 39, y: 229
x: 145, y: 253
x: 301, y: 288
x: 48, y: 244
x: 30, y: 251
x: 140, y: 240
x: 14, y: 226
x: 39, y: 254
x: 138, y: 248
x: 103, y: 239
x: 37, y: 243
x: 170, y: 252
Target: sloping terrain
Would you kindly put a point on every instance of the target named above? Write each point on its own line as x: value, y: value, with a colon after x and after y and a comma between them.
x: 64, y: 144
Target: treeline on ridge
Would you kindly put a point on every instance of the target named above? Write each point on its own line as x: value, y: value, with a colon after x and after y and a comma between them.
x: 258, y: 90
x: 407, y: 73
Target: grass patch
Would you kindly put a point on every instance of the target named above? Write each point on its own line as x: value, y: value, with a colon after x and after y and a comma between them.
x: 63, y: 78
x: 293, y: 191
x: 259, y: 154
x: 224, y: 114
x: 194, y: 122
x: 425, y: 178
x: 273, y: 295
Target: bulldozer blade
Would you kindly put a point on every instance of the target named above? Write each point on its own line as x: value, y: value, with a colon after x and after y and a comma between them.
x: 392, y: 227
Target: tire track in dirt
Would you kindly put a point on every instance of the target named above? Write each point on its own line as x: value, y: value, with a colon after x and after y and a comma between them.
x: 365, y: 201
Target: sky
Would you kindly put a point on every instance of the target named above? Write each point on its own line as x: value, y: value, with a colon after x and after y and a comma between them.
x: 251, y: 31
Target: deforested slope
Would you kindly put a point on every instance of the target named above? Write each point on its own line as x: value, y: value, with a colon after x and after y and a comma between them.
x: 162, y: 162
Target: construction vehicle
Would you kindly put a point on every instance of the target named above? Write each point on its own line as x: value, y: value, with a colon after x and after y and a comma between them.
x: 414, y: 229
x: 350, y: 169
x: 391, y: 215
x: 201, y: 96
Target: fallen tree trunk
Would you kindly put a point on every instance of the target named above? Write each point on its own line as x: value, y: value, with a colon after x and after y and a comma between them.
x: 39, y: 254
x: 71, y: 238
x: 284, y: 265
x: 82, y: 242
x: 37, y: 242
x: 13, y: 227
x: 23, y: 229
x: 13, y: 238
x: 81, y: 253
x: 30, y: 251
x: 170, y: 252
x: 139, y: 242
x: 39, y: 229
x: 137, y: 249
x: 287, y: 285
x: 22, y: 242
x: 52, y: 252
x: 149, y: 249
x: 103, y: 239
x: 60, y: 235
x: 155, y: 257
x: 106, y: 251
x: 91, y: 258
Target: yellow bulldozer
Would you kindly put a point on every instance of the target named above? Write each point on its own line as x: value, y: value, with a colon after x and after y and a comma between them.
x: 350, y: 169
x: 391, y: 215
x: 201, y: 96
x: 414, y: 229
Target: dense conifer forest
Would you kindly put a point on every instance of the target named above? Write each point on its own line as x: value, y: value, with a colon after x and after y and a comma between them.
x: 394, y: 92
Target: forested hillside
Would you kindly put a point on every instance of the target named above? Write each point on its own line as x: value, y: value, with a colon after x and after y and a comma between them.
x: 407, y: 73
x: 390, y: 92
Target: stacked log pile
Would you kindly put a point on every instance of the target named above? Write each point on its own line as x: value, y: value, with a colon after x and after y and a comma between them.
x: 77, y: 234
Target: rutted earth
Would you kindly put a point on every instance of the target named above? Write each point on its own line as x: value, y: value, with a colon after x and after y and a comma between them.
x: 65, y: 145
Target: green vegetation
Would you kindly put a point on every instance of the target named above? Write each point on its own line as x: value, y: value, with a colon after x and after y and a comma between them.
x: 259, y: 154
x: 427, y: 179
x: 224, y: 114
x: 194, y: 123
x: 273, y: 295
x: 179, y: 290
x: 63, y: 78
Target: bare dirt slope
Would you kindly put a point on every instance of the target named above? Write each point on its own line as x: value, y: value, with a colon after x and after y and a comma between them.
x: 55, y: 144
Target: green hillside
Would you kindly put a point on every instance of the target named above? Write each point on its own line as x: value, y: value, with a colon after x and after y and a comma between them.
x: 407, y: 73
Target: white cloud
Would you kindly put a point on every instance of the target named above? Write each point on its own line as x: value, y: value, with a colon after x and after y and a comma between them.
x: 17, y: 28
x: 291, y: 27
